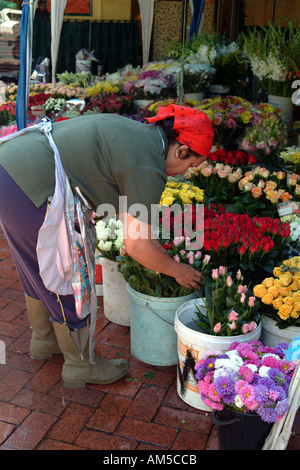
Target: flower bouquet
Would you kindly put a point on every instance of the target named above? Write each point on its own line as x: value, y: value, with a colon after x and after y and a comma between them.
x: 230, y: 307
x: 253, y: 244
x: 155, y: 284
x: 280, y: 294
x: 109, y: 238
x: 274, y: 56
x: 7, y: 113
x: 265, y: 140
x: 219, y: 181
x: 232, y: 115
x: 150, y: 85
x: 249, y: 377
x: 291, y: 157
x: 108, y: 102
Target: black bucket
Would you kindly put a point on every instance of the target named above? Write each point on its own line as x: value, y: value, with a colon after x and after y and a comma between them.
x: 240, y: 431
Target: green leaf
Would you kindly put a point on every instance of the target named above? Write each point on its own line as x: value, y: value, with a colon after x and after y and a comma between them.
x: 149, y: 375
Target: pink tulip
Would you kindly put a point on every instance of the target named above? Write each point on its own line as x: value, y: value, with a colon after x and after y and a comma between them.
x: 217, y: 328
x: 239, y: 275
x: 243, y: 297
x: 245, y: 328
x: 232, y: 326
x: 251, y: 301
x: 229, y: 281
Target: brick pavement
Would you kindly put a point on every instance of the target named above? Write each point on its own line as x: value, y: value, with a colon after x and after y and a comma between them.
x: 140, y: 412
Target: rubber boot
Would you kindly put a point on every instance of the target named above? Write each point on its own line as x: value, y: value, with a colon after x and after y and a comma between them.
x: 43, y: 341
x: 77, y: 369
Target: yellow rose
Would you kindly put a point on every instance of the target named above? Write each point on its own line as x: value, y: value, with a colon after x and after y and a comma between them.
x: 284, y: 311
x: 283, y: 291
x: 277, y: 283
x: 296, y: 296
x: 172, y: 184
x: 267, y: 299
x: 259, y: 290
x: 273, y: 291
x: 277, y: 303
x: 268, y: 282
x: 297, y: 306
x: 285, y: 279
x: 167, y: 201
x: 277, y: 271
x: 295, y: 313
x: 294, y: 285
x: 288, y: 300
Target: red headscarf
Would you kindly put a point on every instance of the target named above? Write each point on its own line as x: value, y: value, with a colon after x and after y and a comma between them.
x: 194, y: 127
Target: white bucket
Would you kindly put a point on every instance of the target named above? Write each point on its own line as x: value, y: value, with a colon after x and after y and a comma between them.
x: 271, y: 335
x: 286, y: 106
x: 190, y: 338
x: 198, y: 96
x: 115, y: 298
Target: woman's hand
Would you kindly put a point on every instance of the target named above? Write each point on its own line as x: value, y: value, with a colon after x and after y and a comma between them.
x: 189, y: 277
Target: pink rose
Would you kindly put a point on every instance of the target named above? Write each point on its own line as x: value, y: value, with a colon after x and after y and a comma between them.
x: 215, y: 274
x: 222, y: 270
x: 229, y: 281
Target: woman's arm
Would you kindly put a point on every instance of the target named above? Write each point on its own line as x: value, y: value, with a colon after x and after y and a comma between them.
x: 142, y: 248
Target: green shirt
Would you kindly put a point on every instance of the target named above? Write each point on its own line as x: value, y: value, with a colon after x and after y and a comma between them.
x: 105, y: 156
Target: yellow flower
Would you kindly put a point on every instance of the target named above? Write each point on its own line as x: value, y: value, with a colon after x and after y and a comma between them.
x: 296, y: 296
x: 172, y: 184
x: 267, y: 299
x: 283, y: 291
x: 277, y: 272
x: 284, y: 311
x: 295, y: 313
x: 288, y: 300
x: 297, y: 306
x: 277, y: 303
x: 277, y: 283
x: 167, y: 201
x: 268, y: 282
x: 294, y: 285
x: 273, y: 291
x: 285, y: 279
x: 259, y: 290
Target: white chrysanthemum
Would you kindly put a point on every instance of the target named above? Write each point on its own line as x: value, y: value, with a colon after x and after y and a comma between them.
x: 238, y: 402
x: 252, y: 367
x: 229, y: 364
x: 263, y: 371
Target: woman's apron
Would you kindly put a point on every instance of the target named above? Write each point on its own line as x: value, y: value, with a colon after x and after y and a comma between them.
x: 66, y: 257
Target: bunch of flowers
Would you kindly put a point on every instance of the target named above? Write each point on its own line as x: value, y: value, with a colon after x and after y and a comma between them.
x: 219, y: 181
x: 291, y: 157
x: 150, y: 85
x: 232, y: 157
x: 280, y: 294
x: 78, y: 79
x: 196, y: 76
x: 153, y: 107
x: 38, y: 99
x: 182, y: 193
x: 295, y: 231
x: 7, y: 113
x: 109, y: 238
x: 230, y: 307
x: 265, y: 140
x: 253, y: 244
x: 54, y: 103
x: 261, y: 191
x: 232, y: 115
x: 274, y: 56
x: 68, y: 92
x: 110, y: 83
x: 11, y: 92
x: 110, y: 103
x: 152, y: 283
x: 249, y: 377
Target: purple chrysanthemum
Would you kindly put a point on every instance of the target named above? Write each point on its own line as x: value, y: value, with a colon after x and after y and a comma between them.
x: 224, y: 386
x: 261, y: 393
x: 267, y: 413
